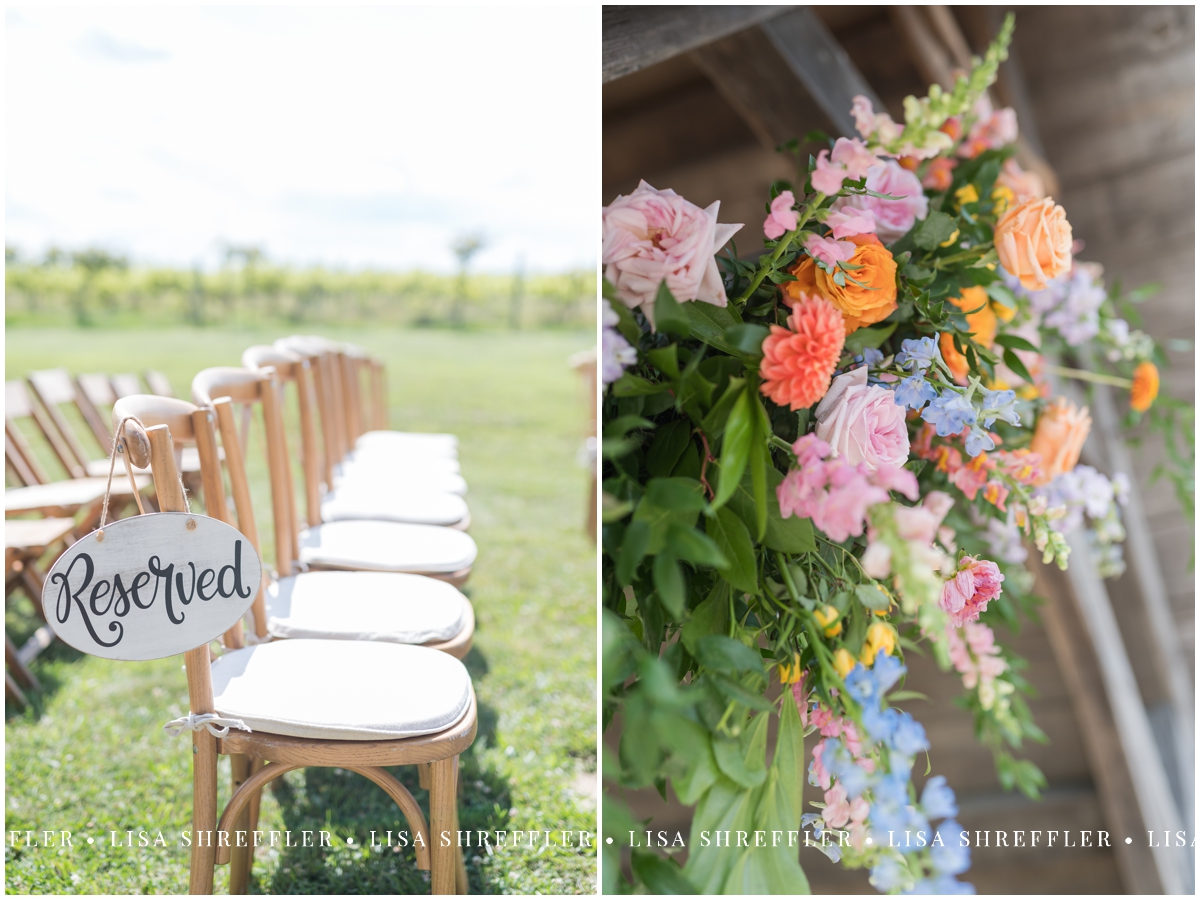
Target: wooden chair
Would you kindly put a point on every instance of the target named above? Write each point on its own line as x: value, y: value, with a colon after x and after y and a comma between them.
x: 422, y: 492
x: 331, y: 605
x: 285, y: 695
x: 25, y: 543
x: 158, y: 383
x: 36, y: 494
x: 126, y: 384
x: 356, y: 545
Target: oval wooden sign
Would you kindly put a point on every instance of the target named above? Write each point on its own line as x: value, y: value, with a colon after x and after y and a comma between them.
x: 152, y: 586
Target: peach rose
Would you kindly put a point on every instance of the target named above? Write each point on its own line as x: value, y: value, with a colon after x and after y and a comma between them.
x: 1033, y: 240
x: 859, y: 306
x: 981, y: 323
x: 1061, y: 432
x: 862, y: 422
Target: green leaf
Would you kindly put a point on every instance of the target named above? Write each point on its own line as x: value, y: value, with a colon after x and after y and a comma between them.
x: 868, y: 337
x: 695, y: 546
x: 668, y: 581
x: 710, y: 617
x: 744, y: 760
x: 692, y: 742
x: 727, y: 807
x: 1015, y: 342
x: 661, y: 876
x: 731, y: 536
x: 934, y: 231
x: 723, y: 654
x: 709, y: 323
x: 1014, y: 362
x: 660, y: 518
x: 633, y: 550
x: 900, y: 696
x: 681, y: 494
x: 615, y: 448
x: 666, y: 359
x: 735, y: 449
x: 669, y: 314
x: 871, y: 597
x: 732, y: 690
x: 668, y: 446
x: 695, y: 393
x: 630, y: 385
x: 714, y: 422
x: 1002, y: 294
x: 747, y: 339
x: 621, y: 426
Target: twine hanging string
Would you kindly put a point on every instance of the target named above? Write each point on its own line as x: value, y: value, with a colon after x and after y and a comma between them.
x: 118, y: 439
x: 218, y: 726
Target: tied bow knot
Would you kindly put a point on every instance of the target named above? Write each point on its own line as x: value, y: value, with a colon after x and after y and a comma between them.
x: 218, y: 726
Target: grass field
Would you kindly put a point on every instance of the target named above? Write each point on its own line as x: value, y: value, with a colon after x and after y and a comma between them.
x: 91, y: 758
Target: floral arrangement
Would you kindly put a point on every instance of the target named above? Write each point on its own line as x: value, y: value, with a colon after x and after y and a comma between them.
x: 835, y: 453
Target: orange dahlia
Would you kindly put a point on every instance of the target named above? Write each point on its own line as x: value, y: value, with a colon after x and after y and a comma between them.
x: 1145, y: 387
x: 869, y: 293
x: 982, y: 323
x: 798, y: 361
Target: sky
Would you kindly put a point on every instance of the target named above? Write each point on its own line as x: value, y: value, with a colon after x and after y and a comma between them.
x: 346, y: 137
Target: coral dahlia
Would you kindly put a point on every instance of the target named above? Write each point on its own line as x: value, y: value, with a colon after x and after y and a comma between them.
x: 798, y: 361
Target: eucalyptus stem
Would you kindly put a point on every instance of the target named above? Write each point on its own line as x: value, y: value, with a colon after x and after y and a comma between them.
x: 1094, y: 377
x: 780, y: 248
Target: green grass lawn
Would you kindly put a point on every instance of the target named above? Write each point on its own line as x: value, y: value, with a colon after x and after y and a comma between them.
x: 90, y: 756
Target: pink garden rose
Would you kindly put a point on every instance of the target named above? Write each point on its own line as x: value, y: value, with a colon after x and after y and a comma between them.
x: 653, y: 236
x: 893, y: 218
x: 850, y: 160
x: 968, y: 593
x: 863, y: 423
x: 782, y: 218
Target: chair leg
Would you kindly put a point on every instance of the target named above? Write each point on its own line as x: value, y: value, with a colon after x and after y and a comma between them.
x: 255, y: 801
x: 460, y: 865
x: 18, y: 668
x: 12, y: 693
x: 204, y: 812
x: 443, y: 805
x: 241, y: 858
x: 423, y: 775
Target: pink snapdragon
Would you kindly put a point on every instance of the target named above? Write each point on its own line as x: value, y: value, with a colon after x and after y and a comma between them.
x: 828, y: 252
x: 974, y: 653
x: 849, y: 222
x: 893, y: 218
x: 834, y: 493
x: 782, y: 218
x: 850, y: 160
x: 968, y: 593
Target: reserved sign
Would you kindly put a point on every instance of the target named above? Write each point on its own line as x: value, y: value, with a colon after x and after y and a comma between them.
x: 151, y: 586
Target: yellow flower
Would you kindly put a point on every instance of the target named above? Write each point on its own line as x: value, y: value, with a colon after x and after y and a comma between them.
x: 843, y: 662
x: 1002, y: 197
x: 950, y: 240
x: 967, y: 194
x: 1145, y: 387
x: 883, y: 590
x: 881, y: 638
x: 790, y: 673
x: 826, y: 615
x: 1003, y: 313
x: 1028, y: 392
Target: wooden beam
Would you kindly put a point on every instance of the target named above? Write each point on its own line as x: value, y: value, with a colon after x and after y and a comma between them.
x: 818, y: 60
x: 638, y: 36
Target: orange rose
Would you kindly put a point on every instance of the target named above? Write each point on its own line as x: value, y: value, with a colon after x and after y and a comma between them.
x: 1145, y: 387
x: 1061, y: 431
x: 983, y: 329
x: 873, y: 302
x: 1033, y: 240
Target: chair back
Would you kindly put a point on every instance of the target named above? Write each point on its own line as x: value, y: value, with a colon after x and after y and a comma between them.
x: 158, y: 383
x: 19, y: 404
x: 323, y: 357
x: 55, y: 388
x: 153, y: 586
x: 126, y: 384
x: 94, y: 395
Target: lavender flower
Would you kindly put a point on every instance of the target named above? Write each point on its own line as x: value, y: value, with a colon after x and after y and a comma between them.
x: 616, y: 353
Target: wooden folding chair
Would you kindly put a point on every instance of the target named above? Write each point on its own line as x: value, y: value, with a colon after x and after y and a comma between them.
x: 159, y: 383
x: 126, y: 384
x: 362, y: 545
x: 26, y: 542
x: 280, y: 704
x: 381, y: 606
x: 426, y: 492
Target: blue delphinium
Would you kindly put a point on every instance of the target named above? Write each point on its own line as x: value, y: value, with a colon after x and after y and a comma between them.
x: 914, y: 392
x: 908, y: 737
x: 947, y: 856
x: 978, y: 441
x: 949, y: 414
x: 937, y: 799
x: 888, y: 874
x: 999, y: 405
x: 918, y: 354
x: 870, y: 357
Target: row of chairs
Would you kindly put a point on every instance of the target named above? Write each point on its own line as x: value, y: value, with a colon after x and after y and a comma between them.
x: 351, y: 655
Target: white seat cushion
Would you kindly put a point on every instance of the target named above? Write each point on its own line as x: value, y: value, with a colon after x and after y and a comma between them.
x: 189, y: 462
x: 365, y: 606
x: 387, y: 547
x: 389, y: 504
x: 341, y: 690
x: 441, y: 444
x: 373, y: 475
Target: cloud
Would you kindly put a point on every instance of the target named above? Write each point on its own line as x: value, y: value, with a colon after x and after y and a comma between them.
x: 102, y: 45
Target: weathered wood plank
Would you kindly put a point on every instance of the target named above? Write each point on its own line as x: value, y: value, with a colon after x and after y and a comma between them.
x: 638, y: 36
